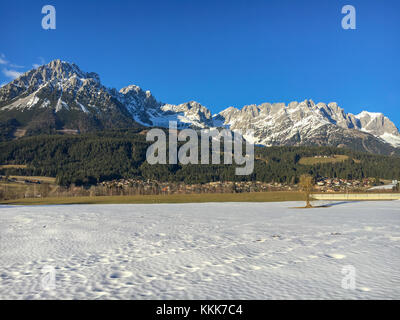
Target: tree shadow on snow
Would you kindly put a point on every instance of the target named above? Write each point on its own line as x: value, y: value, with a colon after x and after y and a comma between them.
x: 328, y: 205
x: 335, y: 204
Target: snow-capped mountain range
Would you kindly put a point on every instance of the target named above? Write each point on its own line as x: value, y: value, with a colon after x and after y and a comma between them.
x: 61, y: 97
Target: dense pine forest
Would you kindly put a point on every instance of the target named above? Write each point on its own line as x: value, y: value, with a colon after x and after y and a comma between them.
x: 90, y: 158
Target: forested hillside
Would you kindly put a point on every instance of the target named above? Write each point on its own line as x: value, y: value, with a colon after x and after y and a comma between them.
x: 94, y: 157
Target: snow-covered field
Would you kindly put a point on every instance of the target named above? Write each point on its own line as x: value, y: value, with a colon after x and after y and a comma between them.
x: 200, y: 251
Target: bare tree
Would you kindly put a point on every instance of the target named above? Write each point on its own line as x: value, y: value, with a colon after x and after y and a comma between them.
x: 307, y: 184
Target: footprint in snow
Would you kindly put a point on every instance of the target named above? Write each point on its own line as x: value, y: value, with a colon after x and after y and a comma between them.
x: 120, y: 274
x: 336, y: 256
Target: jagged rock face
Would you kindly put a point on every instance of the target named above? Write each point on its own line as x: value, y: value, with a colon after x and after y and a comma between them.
x: 55, y: 72
x: 59, y: 96
x: 142, y: 106
x: 309, y: 123
x: 376, y: 123
x: 337, y: 116
x: 190, y: 114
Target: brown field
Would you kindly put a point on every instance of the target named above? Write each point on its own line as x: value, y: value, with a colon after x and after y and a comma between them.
x: 13, y: 166
x: 32, y: 178
x: 13, y: 186
x: 272, y: 196
x: 333, y: 159
x: 19, y: 133
x: 18, y: 188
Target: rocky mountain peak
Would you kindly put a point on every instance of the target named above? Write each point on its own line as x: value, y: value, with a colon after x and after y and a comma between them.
x: 61, y: 70
x: 55, y: 73
x: 63, y: 96
x: 131, y: 89
x: 376, y: 123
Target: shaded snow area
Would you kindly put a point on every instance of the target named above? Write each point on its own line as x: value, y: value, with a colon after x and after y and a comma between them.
x: 201, y: 251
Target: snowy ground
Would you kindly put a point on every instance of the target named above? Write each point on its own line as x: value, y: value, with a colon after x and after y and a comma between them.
x: 200, y: 251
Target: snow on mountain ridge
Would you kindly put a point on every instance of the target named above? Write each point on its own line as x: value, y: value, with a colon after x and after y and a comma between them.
x: 301, y: 119
x: 371, y: 114
x: 60, y: 85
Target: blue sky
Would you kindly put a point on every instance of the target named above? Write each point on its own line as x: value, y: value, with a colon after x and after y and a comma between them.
x: 219, y: 52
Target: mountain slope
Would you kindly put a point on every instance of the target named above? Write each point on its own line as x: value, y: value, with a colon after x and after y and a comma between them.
x: 61, y: 97
x: 306, y: 123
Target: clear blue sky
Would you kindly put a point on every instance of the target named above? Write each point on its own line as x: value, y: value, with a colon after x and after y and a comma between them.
x: 219, y: 52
